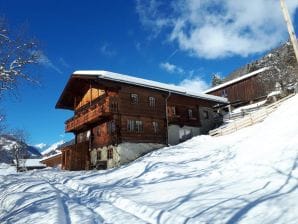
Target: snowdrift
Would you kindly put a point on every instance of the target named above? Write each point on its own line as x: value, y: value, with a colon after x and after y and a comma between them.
x: 250, y: 176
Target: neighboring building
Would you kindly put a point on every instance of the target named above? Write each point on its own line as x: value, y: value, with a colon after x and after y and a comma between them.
x: 54, y: 160
x: 52, y: 156
x: 29, y: 164
x: 117, y: 118
x: 251, y: 87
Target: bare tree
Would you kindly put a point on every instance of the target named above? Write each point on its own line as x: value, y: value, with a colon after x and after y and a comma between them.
x: 19, y: 149
x: 17, y: 54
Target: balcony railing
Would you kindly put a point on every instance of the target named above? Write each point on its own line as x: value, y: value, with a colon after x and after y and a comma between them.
x: 91, y: 113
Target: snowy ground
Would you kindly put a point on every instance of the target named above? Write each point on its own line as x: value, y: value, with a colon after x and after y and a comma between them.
x: 250, y: 176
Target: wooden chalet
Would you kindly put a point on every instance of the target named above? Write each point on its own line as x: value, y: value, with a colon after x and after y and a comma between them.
x: 117, y: 117
x: 52, y: 160
x: 248, y: 88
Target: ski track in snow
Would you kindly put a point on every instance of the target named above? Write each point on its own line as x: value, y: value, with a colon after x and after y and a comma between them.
x: 250, y: 176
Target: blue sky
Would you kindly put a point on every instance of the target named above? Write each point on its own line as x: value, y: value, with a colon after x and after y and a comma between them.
x: 181, y: 42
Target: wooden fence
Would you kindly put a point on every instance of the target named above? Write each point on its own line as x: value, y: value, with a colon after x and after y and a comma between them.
x: 248, y: 120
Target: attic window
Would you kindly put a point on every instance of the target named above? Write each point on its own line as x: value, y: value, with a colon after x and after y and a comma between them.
x: 134, y: 98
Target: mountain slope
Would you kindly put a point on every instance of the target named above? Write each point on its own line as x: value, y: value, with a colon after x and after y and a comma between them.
x: 250, y: 176
x: 52, y: 149
x: 7, y: 144
x: 282, y: 60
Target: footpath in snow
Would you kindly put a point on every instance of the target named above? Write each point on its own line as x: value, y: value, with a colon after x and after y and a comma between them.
x: 250, y: 176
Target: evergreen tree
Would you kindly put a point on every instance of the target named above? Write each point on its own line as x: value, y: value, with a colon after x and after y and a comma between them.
x: 216, y: 80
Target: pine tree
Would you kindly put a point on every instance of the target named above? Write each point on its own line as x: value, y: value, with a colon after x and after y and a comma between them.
x: 216, y: 80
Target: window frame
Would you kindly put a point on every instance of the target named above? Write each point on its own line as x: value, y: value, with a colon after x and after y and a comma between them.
x: 190, y: 113
x: 152, y: 101
x: 224, y: 93
x: 110, y: 153
x: 139, y: 128
x: 111, y: 127
x: 155, y: 127
x: 98, y: 131
x: 135, y: 126
x: 134, y: 98
x: 98, y: 155
x: 205, y: 114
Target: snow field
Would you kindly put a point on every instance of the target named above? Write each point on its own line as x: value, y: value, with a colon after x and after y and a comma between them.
x: 250, y: 176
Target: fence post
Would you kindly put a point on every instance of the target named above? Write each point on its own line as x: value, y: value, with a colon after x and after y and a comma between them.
x: 251, y: 119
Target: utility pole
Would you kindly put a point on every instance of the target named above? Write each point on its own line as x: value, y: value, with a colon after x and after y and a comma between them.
x: 290, y: 27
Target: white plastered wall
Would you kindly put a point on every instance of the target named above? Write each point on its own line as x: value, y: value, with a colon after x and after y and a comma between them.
x: 123, y: 153
x: 177, y: 134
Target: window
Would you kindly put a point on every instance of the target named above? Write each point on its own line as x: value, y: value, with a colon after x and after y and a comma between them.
x: 134, y: 126
x: 224, y: 93
x: 98, y: 155
x: 171, y: 111
x: 190, y: 113
x: 139, y: 126
x: 151, y: 101
x: 98, y: 132
x: 83, y: 136
x: 80, y: 137
x: 111, y: 127
x: 134, y: 98
x: 114, y: 106
x: 205, y: 114
x: 155, y: 127
x: 174, y: 110
x: 130, y: 125
x: 110, y: 153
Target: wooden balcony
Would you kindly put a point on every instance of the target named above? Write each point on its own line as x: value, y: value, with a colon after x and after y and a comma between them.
x: 183, y: 120
x: 94, y: 112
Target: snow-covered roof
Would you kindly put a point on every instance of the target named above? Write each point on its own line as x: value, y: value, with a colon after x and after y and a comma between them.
x: 51, y: 156
x: 32, y: 163
x: 149, y: 84
x: 237, y: 79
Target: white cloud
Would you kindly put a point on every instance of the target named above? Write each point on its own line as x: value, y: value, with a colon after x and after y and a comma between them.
x: 219, y: 28
x: 45, y: 61
x: 107, y: 50
x: 194, y: 84
x: 63, y: 62
x: 149, y: 14
x: 171, y: 68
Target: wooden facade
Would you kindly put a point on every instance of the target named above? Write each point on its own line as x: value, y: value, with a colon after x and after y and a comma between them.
x: 241, y: 91
x: 76, y: 157
x: 52, y: 161
x: 244, y: 91
x: 110, y: 112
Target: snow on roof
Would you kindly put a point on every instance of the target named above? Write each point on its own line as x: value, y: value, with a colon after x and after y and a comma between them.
x: 51, y: 156
x: 32, y: 163
x: 149, y: 84
x: 237, y: 79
